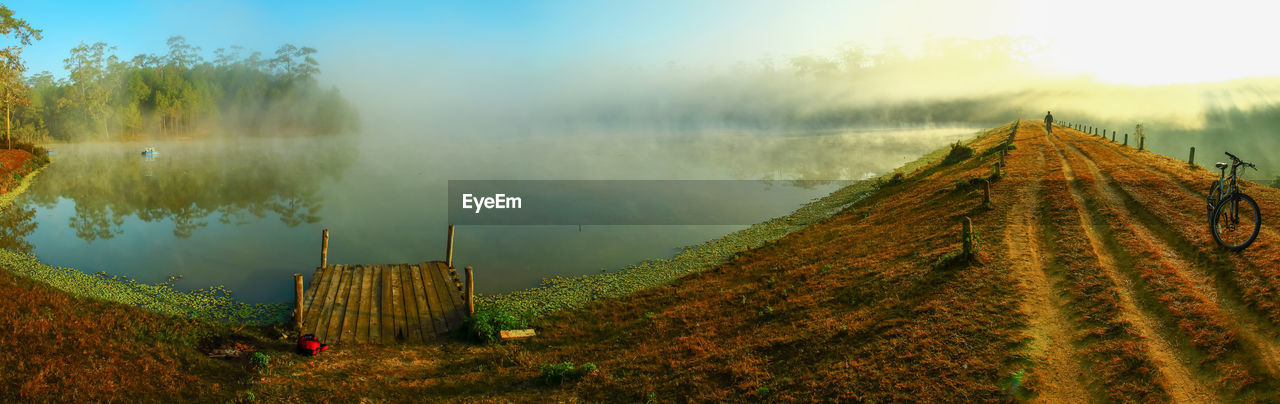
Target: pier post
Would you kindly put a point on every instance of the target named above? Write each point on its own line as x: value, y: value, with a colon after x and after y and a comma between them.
x: 297, y: 297
x: 1192, y: 159
x: 471, y: 295
x: 448, y: 250
x: 967, y: 236
x: 324, y: 248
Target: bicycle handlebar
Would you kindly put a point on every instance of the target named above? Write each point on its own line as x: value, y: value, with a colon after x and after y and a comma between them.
x: 1239, y: 161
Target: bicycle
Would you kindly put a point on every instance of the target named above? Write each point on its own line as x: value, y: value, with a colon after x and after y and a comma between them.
x: 1234, y: 225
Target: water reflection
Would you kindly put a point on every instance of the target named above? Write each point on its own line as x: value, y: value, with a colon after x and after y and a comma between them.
x: 188, y: 182
x: 17, y: 222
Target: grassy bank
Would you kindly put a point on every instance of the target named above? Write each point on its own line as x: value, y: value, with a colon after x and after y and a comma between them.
x: 561, y: 293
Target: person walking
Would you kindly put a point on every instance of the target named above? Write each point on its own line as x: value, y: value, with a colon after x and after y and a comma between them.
x: 1048, y: 122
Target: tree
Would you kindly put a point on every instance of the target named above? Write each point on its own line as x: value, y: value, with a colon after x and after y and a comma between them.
x: 91, y: 90
x: 182, y: 54
x: 13, y: 90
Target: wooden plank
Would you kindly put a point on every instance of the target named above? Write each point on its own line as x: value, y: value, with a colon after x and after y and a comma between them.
x: 420, y: 298
x: 366, y: 303
x: 388, y: 322
x: 397, y: 304
x: 321, y: 286
x: 438, y: 274
x: 375, y: 305
x: 433, y: 298
x: 326, y: 305
x: 455, y: 297
x: 339, y: 306
x: 311, y: 290
x: 516, y: 334
x: 412, y: 323
x: 348, y: 334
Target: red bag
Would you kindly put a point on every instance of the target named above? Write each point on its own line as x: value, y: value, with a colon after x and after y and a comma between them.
x: 308, y: 345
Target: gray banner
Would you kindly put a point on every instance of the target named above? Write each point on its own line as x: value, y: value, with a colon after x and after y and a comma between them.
x: 628, y: 202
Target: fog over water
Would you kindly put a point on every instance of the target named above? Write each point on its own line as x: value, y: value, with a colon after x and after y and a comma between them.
x: 247, y: 212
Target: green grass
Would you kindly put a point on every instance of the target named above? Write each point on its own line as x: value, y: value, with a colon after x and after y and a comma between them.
x: 212, y: 304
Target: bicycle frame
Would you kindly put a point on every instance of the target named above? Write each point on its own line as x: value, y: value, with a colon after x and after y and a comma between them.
x: 1229, y: 189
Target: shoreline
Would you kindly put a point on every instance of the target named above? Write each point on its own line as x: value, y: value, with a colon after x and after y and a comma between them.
x: 553, y: 294
x: 212, y: 304
x: 566, y: 293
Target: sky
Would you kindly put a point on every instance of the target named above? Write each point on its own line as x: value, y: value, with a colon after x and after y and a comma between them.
x: 1139, y: 43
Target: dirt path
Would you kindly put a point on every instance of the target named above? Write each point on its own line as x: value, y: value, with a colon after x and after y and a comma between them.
x: 1183, y: 386
x: 1049, y: 327
x: 1252, y: 329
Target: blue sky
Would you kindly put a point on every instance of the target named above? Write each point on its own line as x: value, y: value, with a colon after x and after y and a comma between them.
x: 531, y: 33
x: 1129, y: 42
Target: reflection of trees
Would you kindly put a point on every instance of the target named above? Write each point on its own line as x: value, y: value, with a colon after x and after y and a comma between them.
x: 91, y: 222
x: 191, y: 181
x: 16, y: 223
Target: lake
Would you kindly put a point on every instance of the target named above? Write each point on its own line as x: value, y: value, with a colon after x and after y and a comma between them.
x: 247, y: 213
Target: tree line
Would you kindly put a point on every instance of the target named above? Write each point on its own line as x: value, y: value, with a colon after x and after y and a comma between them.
x: 181, y: 94
x: 175, y: 94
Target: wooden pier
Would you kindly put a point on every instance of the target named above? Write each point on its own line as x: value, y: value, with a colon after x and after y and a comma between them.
x: 383, y: 304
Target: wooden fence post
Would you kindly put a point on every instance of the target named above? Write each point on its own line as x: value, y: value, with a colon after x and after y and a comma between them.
x: 1142, y: 143
x: 448, y: 250
x: 1113, y: 136
x: 986, y: 192
x: 1126, y: 139
x: 967, y: 236
x: 297, y: 297
x: 471, y: 295
x: 324, y: 248
x: 1192, y: 160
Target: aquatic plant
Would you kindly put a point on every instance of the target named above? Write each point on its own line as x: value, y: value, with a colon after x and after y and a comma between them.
x: 210, y: 304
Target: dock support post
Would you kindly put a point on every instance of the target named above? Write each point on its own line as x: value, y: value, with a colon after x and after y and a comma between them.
x: 1192, y: 160
x: 448, y: 249
x: 297, y: 297
x: 471, y: 295
x: 324, y: 248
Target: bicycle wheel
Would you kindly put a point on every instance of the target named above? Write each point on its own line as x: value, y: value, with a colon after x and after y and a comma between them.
x: 1235, y: 222
x: 1211, y: 200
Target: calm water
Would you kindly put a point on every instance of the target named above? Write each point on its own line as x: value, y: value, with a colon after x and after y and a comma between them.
x: 247, y: 214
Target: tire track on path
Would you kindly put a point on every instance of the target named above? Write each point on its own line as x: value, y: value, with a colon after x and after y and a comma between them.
x: 1183, y: 385
x: 1051, y: 330
x: 1252, y: 329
